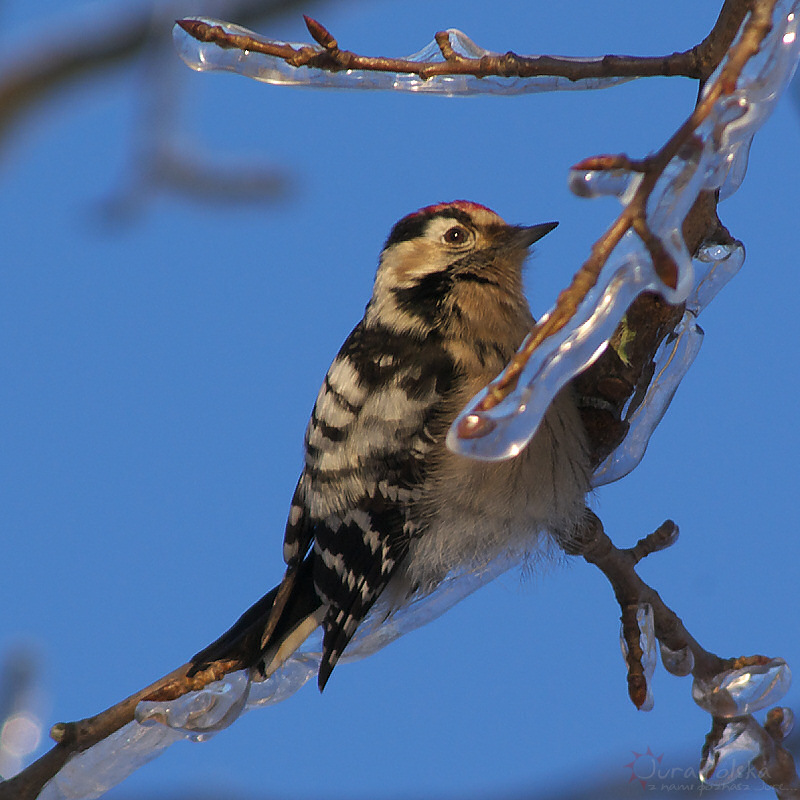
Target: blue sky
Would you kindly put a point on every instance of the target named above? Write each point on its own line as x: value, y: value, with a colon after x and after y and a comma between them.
x: 158, y: 375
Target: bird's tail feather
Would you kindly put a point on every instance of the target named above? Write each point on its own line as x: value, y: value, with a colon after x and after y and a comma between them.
x: 275, y: 625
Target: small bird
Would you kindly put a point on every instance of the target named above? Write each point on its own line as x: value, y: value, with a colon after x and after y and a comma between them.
x: 382, y: 507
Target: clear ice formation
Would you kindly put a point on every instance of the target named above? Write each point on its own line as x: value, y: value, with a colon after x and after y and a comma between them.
x: 203, y: 56
x: 718, y: 160
x: 787, y: 722
x: 197, y: 716
x: 713, y: 267
x: 743, y: 691
x: 647, y: 641
x: 728, y: 758
x: 677, y: 662
x: 94, y: 771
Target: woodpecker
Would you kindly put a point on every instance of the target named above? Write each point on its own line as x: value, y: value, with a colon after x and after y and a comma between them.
x: 382, y: 506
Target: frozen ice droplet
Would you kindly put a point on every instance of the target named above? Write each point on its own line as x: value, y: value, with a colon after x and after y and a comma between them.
x: 463, y: 45
x: 735, y: 692
x: 715, y: 264
x: 728, y: 757
x: 602, y: 182
x: 677, y: 662
x: 201, y: 713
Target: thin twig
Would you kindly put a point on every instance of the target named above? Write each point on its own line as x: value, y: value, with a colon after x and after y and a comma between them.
x: 619, y: 566
x: 505, y: 65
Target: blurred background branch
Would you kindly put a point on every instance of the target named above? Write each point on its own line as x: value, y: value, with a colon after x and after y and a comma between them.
x: 32, y: 70
x: 163, y: 159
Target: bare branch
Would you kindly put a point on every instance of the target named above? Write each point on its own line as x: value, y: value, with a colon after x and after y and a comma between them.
x: 503, y: 65
x: 618, y: 565
x: 775, y: 765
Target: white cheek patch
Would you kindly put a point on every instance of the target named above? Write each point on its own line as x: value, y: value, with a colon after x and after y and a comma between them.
x: 407, y: 262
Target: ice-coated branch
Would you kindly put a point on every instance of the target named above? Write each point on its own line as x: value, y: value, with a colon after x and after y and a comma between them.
x: 631, y: 592
x: 644, y: 250
x: 75, y: 737
x: 450, y: 55
x: 774, y: 762
x: 740, y: 748
x: 96, y: 753
x: 730, y: 689
x: 450, y: 64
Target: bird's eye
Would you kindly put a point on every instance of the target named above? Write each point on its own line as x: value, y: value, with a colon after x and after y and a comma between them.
x: 456, y: 235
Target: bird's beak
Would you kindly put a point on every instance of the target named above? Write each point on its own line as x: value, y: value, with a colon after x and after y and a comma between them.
x: 525, y: 236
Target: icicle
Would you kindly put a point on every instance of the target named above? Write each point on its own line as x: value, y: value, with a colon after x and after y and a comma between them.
x: 677, y: 662
x: 728, y: 757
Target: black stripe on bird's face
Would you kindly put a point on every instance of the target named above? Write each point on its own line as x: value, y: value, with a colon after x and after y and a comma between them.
x: 424, y: 297
x: 413, y: 226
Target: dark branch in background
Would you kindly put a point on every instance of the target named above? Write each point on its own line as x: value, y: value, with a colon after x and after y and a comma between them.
x: 650, y: 318
x: 71, y: 56
x: 68, y: 57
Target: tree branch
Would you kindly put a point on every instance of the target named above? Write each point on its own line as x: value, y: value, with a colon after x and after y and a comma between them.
x: 76, y: 55
x: 504, y: 65
x: 619, y: 566
x: 634, y: 215
x: 775, y: 764
x: 697, y: 62
x: 75, y: 737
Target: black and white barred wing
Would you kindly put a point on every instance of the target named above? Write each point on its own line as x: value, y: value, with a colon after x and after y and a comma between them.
x: 377, y: 416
